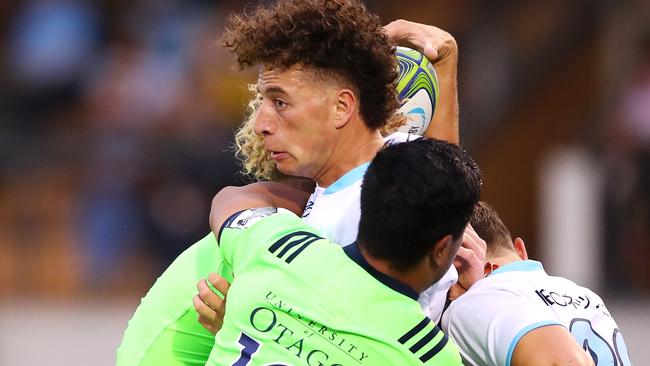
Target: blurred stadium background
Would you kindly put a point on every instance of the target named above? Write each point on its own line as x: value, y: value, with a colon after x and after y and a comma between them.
x: 116, y: 119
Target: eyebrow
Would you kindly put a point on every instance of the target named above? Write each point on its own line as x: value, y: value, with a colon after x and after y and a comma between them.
x: 273, y: 90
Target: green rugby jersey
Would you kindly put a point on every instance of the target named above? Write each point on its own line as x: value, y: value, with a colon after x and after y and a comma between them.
x: 297, y: 299
x: 164, y: 329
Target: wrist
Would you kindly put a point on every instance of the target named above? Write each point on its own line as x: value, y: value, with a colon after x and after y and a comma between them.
x: 447, y: 62
x: 455, y: 292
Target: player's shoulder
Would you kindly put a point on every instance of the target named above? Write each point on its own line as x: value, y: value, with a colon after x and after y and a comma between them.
x: 427, y: 342
x: 569, y: 284
x: 464, y: 304
x: 245, y: 219
x: 571, y: 287
x: 348, y: 182
x: 512, y: 282
x: 260, y: 221
x: 275, y: 231
x: 507, y: 283
x: 486, y: 295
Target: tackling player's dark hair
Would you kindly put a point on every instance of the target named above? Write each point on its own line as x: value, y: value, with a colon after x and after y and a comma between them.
x: 413, y: 194
x: 489, y: 227
x: 337, y: 38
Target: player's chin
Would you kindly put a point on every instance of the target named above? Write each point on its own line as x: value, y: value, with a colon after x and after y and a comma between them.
x: 287, y: 168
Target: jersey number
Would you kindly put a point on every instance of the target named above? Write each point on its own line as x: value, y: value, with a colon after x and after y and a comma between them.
x: 250, y: 346
x: 598, y: 348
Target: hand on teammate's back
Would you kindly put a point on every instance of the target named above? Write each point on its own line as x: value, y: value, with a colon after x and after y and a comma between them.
x: 210, y: 307
x: 469, y: 262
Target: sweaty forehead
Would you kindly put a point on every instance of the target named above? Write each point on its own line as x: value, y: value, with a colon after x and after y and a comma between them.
x: 293, y: 77
x: 285, y: 78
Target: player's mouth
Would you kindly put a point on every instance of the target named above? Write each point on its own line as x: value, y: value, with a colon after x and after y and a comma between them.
x: 279, y: 155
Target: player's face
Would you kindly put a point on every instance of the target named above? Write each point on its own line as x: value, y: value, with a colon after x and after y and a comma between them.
x: 296, y: 119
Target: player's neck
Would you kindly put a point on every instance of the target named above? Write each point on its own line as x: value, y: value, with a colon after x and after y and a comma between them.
x: 502, y: 260
x: 355, y: 146
x: 412, y: 278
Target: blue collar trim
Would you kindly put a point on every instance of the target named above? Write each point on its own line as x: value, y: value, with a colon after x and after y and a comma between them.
x: 347, y: 179
x: 527, y: 266
x: 354, y: 253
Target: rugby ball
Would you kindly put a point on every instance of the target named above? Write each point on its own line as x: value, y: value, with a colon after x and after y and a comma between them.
x: 417, y: 89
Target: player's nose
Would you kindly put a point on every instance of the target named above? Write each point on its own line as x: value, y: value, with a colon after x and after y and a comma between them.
x: 263, y: 122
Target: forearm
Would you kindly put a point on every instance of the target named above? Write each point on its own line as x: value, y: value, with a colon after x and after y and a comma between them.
x: 445, y: 122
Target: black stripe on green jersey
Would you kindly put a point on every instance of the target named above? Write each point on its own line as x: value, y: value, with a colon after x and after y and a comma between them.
x: 303, y: 240
x: 437, y: 348
x: 426, y: 339
x: 416, y: 329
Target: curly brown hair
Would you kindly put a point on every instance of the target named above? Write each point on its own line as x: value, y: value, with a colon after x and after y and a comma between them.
x: 334, y: 37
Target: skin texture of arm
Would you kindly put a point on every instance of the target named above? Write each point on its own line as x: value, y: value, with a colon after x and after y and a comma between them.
x: 261, y: 194
x: 441, y: 49
x: 549, y: 345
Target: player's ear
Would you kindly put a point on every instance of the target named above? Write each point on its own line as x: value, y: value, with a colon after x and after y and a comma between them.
x: 520, y: 248
x: 442, y: 251
x: 346, y: 106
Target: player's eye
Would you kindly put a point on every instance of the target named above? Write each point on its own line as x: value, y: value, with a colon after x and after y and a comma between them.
x: 280, y: 104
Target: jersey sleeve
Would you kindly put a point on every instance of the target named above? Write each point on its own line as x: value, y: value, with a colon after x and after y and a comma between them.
x: 247, y: 232
x: 486, y: 326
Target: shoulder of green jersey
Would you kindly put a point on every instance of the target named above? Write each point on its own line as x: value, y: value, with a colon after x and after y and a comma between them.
x: 244, y: 219
x: 291, y: 245
x: 424, y: 340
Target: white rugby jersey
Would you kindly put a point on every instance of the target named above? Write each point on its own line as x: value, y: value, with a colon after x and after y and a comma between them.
x: 487, y: 322
x: 335, y: 211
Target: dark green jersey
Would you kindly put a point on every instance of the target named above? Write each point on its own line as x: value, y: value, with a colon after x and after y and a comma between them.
x: 297, y: 299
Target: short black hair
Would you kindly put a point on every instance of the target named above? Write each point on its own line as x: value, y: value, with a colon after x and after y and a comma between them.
x: 489, y: 227
x: 413, y: 194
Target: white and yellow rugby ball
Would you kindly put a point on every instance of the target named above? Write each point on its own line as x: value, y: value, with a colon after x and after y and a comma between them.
x: 417, y: 89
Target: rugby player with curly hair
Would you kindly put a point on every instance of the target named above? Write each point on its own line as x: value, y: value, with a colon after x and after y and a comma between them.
x: 324, y: 70
x: 327, y: 86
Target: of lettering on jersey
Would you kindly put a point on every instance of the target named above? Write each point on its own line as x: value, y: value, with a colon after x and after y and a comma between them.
x: 489, y: 320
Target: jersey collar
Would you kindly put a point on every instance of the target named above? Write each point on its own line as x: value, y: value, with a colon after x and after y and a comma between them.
x: 347, y: 179
x: 519, y: 266
x: 354, y: 253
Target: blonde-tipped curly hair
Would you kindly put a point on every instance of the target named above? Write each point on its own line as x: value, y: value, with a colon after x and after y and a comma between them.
x: 249, y: 147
